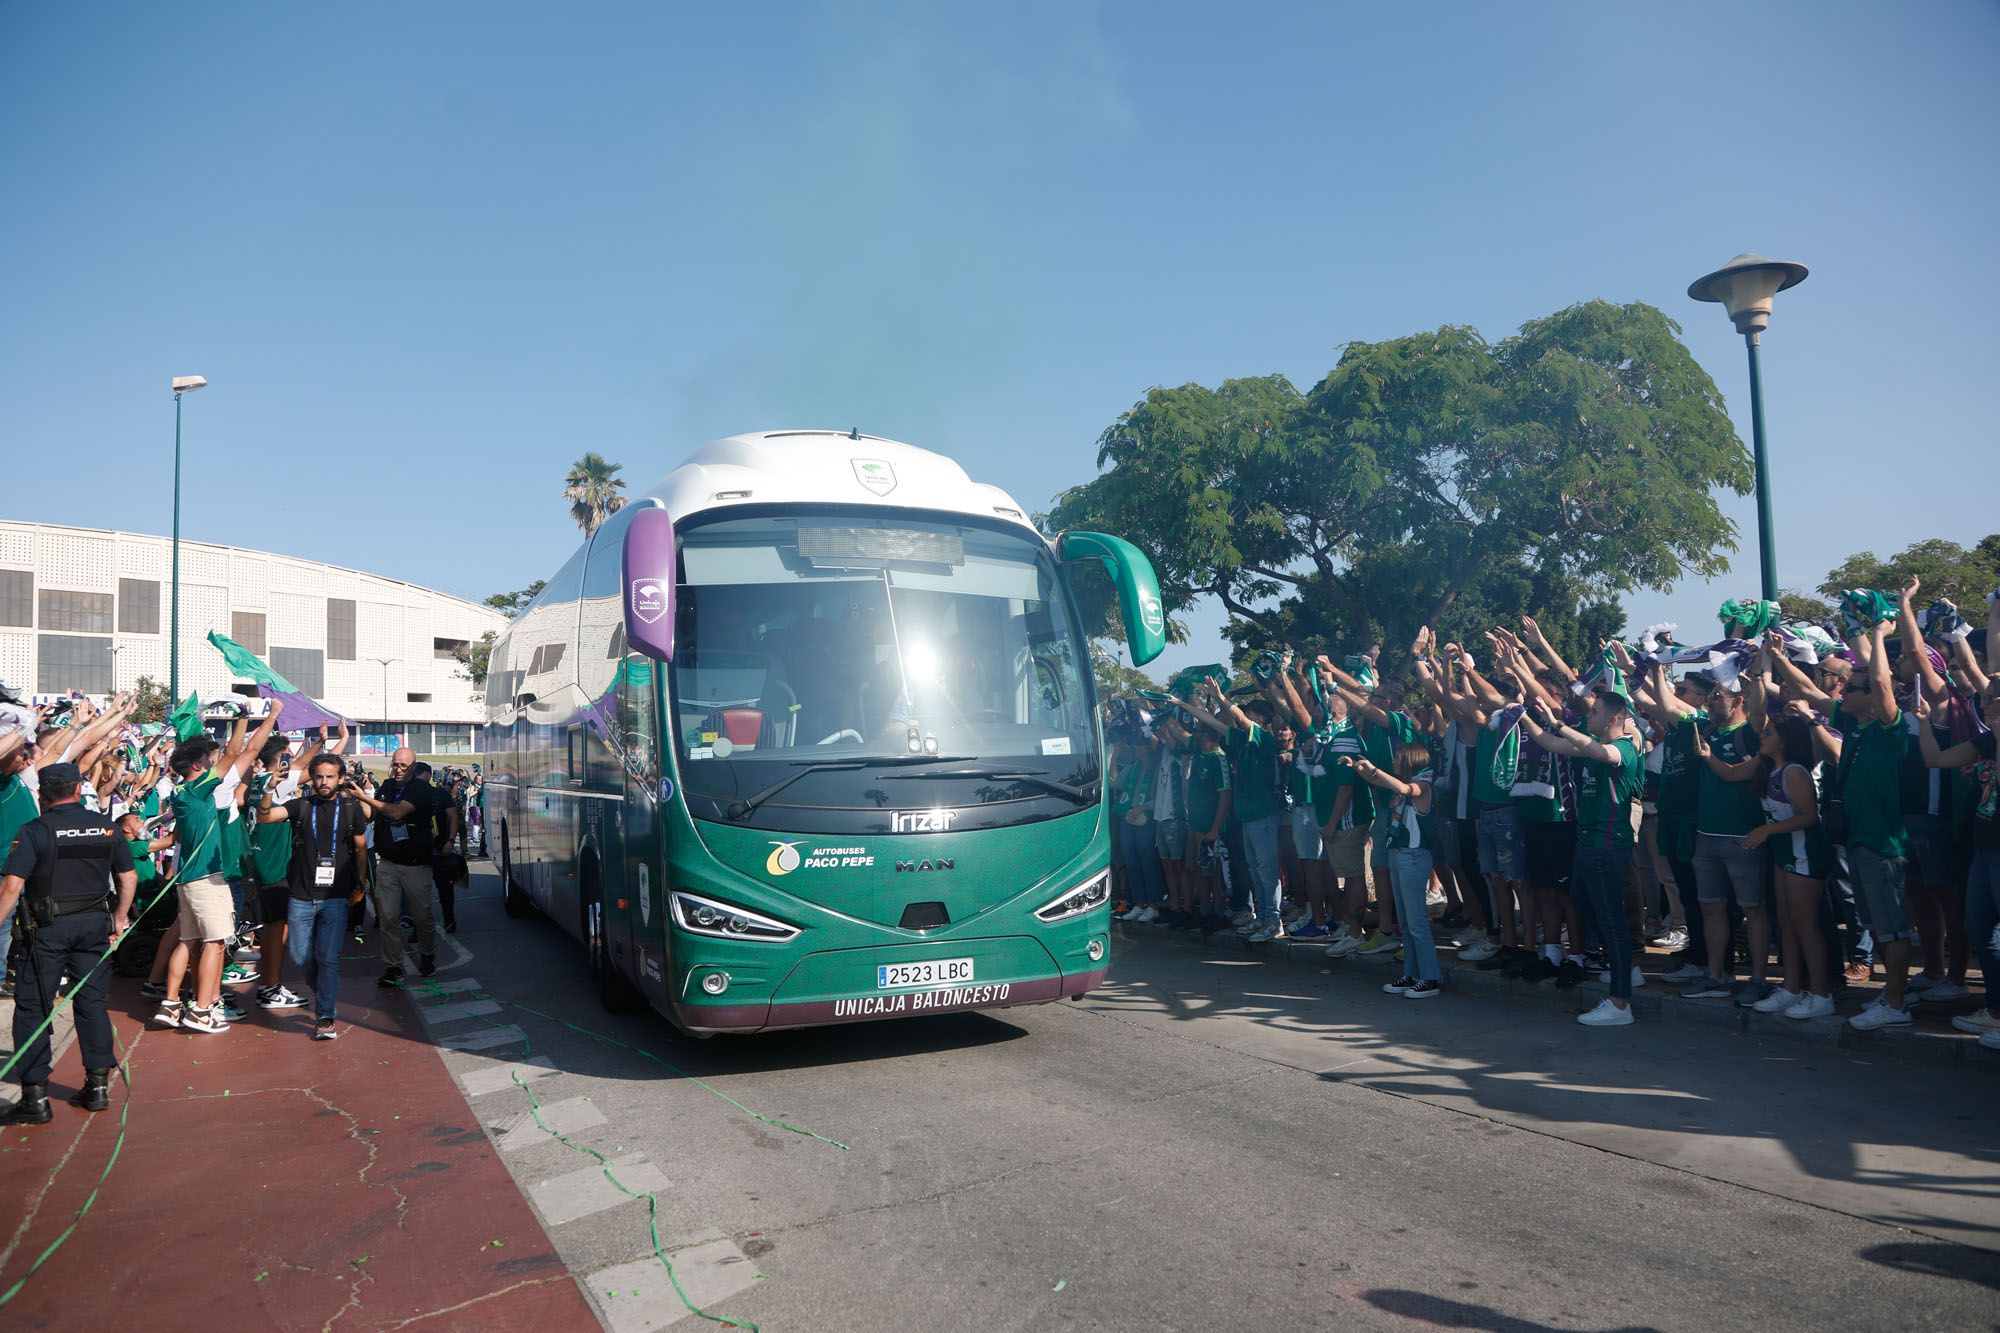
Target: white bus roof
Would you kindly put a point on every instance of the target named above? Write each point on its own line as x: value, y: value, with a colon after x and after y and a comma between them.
x: 827, y: 467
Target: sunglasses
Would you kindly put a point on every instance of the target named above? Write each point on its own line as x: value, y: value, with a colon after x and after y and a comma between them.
x: 1858, y: 689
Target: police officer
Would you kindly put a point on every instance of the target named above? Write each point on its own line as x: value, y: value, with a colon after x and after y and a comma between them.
x: 63, y: 867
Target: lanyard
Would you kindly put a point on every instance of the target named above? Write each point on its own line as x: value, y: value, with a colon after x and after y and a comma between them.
x: 334, y: 846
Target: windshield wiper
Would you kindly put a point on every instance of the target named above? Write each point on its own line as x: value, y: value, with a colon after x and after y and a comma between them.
x: 1081, y: 795
x: 741, y: 808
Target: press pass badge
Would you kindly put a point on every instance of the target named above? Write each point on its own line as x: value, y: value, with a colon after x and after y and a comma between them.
x: 323, y: 873
x: 398, y: 832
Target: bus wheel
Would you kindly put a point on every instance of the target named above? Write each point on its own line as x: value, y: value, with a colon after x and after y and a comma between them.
x: 614, y: 992
x: 511, y: 898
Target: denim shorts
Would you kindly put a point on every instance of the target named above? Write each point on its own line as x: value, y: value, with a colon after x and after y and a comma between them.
x: 1878, y: 881
x: 1722, y: 862
x: 1170, y: 839
x: 1306, y: 839
x: 1501, y: 851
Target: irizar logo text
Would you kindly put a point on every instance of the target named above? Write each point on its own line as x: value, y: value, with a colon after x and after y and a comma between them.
x: 922, y: 821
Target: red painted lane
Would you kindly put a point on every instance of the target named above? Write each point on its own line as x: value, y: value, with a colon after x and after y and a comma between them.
x: 272, y: 1181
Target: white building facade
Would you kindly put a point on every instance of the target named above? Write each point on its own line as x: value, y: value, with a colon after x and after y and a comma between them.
x: 88, y: 609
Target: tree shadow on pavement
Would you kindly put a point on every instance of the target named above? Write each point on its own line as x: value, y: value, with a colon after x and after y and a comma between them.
x: 1931, y: 1258
x: 1438, y: 1312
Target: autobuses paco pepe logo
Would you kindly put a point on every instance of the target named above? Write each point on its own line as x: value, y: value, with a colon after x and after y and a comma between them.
x: 649, y: 599
x: 875, y: 474
x: 785, y: 857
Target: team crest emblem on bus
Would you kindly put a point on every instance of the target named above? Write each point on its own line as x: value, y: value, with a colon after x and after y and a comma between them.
x: 784, y: 858
x: 649, y: 599
x: 875, y: 474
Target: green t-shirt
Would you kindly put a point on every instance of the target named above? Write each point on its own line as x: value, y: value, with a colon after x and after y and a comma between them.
x: 1871, y: 768
x: 1381, y: 743
x: 1680, y: 777
x: 142, y: 861
x: 1409, y: 827
x: 17, y: 810
x: 198, y: 826
x: 1208, y: 778
x: 1730, y: 809
x: 270, y: 844
x: 1604, y: 796
x: 1255, y: 753
x: 1495, y: 751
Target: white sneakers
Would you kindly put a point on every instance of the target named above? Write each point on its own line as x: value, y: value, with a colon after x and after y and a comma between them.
x: 1811, y: 1006
x: 1778, y: 1001
x: 1343, y: 946
x: 1880, y: 1015
x: 1979, y: 1022
x: 1263, y: 934
x: 1940, y: 993
x: 1479, y: 950
x: 1607, y: 1015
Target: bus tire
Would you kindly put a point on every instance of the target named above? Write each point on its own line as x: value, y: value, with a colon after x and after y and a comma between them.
x: 512, y: 899
x: 614, y: 992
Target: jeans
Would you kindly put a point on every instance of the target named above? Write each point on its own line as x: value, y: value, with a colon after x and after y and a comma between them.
x: 1260, y: 850
x: 1599, y: 879
x: 1410, y: 877
x: 1237, y: 871
x: 315, y: 930
x: 1982, y: 915
x: 403, y: 888
x: 1142, y: 866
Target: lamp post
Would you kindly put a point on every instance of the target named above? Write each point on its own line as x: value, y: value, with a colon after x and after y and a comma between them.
x: 182, y: 384
x: 1744, y: 287
x: 385, y: 686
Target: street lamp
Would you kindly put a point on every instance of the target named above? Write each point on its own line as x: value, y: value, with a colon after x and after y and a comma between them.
x: 385, y: 686
x: 182, y: 384
x: 1744, y: 287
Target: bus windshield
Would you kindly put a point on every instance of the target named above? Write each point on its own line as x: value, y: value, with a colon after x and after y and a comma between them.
x: 922, y: 662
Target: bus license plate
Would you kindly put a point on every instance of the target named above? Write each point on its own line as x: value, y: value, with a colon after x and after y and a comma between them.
x: 936, y: 972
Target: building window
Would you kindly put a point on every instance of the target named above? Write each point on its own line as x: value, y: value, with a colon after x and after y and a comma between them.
x: 451, y: 739
x: 340, y: 629
x: 72, y: 662
x: 247, y: 628
x: 418, y: 698
x: 138, y: 606
x: 76, y: 612
x: 17, y: 597
x: 304, y: 667
x: 448, y: 650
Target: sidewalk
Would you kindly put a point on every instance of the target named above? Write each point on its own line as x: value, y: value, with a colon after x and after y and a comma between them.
x: 1931, y: 1039
x: 267, y: 1180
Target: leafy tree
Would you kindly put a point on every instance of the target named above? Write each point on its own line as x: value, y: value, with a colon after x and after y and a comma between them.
x: 474, y: 657
x: 1946, y: 568
x: 593, y: 489
x: 1804, y: 606
x: 511, y: 604
x: 149, y: 701
x: 1116, y: 679
x: 1431, y: 479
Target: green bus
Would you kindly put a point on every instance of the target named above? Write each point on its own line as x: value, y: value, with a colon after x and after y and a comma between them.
x: 806, y: 734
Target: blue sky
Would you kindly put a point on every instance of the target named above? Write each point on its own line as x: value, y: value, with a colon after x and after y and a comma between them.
x: 428, y: 254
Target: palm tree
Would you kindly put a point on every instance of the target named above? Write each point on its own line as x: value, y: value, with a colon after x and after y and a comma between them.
x: 592, y: 489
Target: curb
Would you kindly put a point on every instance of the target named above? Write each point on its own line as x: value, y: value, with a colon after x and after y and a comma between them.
x: 1834, y: 1032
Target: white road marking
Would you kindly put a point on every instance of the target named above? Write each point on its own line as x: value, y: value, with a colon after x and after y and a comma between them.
x: 480, y: 1038
x: 637, y: 1297
x: 576, y: 1194
x: 434, y: 1014
x: 568, y: 1116
x: 424, y: 988
x: 494, y: 1077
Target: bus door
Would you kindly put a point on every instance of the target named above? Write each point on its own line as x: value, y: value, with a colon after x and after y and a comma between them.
x: 648, y: 794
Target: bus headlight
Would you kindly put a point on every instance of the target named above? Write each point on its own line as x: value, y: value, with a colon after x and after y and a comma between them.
x: 1087, y: 896
x: 718, y: 920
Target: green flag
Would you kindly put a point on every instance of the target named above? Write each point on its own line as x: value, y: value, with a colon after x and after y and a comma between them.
x: 186, y: 720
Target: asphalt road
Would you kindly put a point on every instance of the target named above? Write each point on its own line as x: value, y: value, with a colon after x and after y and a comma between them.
x: 1217, y: 1143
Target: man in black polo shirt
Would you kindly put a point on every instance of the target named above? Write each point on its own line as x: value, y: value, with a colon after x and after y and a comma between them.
x: 67, y: 862
x: 405, y: 812
x: 326, y: 874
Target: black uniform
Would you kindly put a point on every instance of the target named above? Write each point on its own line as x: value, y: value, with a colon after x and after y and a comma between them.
x: 68, y: 858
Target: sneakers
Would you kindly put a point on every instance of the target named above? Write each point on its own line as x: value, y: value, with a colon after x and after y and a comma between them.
x: 1479, y: 950
x: 1423, y: 990
x: 1777, y: 1002
x: 1685, y: 973
x: 1311, y: 930
x: 323, y: 1030
x: 1977, y: 1022
x: 1144, y: 916
x: 1708, y: 988
x: 391, y: 976
x: 279, y: 997
x: 1342, y: 946
x: 1673, y: 941
x: 195, y: 1019
x: 1920, y: 982
x: 153, y: 990
x: 1377, y: 942
x: 1990, y: 1040
x: 1243, y: 918
x: 1502, y: 958
x: 170, y: 1014
x: 1638, y: 976
x: 1400, y: 986
x: 1274, y: 931
x: 1858, y: 974
x: 1943, y: 992
x: 1811, y: 1006
x: 1606, y: 1015
x: 427, y: 964
x: 235, y: 974
x: 1880, y: 1015
x: 1750, y: 994
x: 228, y: 1010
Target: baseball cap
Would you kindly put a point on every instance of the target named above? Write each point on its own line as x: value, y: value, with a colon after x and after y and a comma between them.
x: 61, y: 775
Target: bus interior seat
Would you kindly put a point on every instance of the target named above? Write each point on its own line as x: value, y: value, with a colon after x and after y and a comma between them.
x: 743, y: 726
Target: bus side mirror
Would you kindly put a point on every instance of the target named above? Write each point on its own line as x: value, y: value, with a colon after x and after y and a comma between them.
x: 1138, y: 588
x: 649, y: 583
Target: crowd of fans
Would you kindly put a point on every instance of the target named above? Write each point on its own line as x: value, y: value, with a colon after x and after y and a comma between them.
x: 1789, y: 811
x: 248, y: 850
